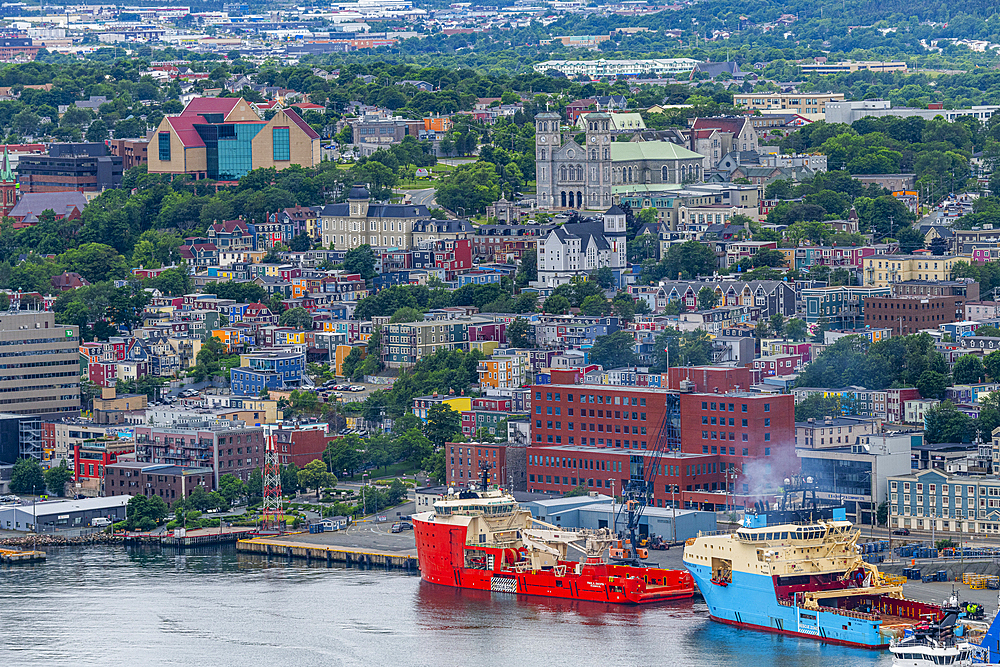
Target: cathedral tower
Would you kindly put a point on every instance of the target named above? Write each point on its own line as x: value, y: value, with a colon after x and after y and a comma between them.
x: 547, y: 141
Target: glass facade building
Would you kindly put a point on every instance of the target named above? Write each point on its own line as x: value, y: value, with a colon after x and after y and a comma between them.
x: 228, y: 148
x: 282, y: 144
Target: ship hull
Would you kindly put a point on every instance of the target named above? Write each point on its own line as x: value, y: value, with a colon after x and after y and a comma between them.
x: 749, y: 601
x: 441, y: 554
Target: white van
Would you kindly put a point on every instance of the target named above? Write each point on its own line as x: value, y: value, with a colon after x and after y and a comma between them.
x: 100, y: 522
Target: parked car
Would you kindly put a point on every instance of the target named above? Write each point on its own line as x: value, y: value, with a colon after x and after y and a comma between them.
x: 400, y: 526
x: 357, y: 388
x: 901, y: 531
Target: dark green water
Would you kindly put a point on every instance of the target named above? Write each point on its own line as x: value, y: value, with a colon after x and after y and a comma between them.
x: 108, y: 606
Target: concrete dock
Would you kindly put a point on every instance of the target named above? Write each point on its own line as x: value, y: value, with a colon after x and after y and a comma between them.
x: 287, y: 548
x: 368, y: 544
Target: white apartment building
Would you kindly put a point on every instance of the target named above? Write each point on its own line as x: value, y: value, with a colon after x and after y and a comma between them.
x: 613, y: 68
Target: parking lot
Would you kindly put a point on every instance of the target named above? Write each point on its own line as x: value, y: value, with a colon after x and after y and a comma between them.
x: 367, y: 535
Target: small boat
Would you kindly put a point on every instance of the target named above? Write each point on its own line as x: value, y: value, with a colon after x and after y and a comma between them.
x: 929, y: 644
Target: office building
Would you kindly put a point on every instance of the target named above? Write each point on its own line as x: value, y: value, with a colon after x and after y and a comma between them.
x: 82, y: 167
x: 849, y: 66
x: 41, y: 369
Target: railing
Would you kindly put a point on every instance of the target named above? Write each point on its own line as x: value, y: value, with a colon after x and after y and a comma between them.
x: 833, y: 610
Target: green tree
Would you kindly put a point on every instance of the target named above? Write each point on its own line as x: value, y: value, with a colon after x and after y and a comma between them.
x: 944, y: 423
x: 707, y: 298
x: 517, y: 333
x: 821, y: 328
x: 406, y: 314
x: 443, y: 424
x: 795, y: 329
x: 603, y: 276
x: 413, y: 447
x: 624, y: 307
x: 932, y: 384
x: 232, y: 488
x: 314, y: 475
x: 556, y: 304
x: 352, y: 362
x: 968, y: 370
x: 436, y: 466
x: 614, y: 350
x: 57, y: 477
x: 527, y: 269
x: 991, y: 362
x: 817, y: 406
x: 143, y: 513
x: 27, y: 477
x: 300, y: 318
x: 777, y: 322
x: 360, y: 260
x: 595, y: 305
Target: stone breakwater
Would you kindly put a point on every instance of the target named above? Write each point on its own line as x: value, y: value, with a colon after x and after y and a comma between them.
x: 30, y: 541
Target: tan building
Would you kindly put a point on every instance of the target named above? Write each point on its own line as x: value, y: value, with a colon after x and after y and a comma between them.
x: 359, y: 221
x: 27, y: 338
x: 849, y: 66
x: 804, y: 103
x: 224, y: 139
x: 882, y: 270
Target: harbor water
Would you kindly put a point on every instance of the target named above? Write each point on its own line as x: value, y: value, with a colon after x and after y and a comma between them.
x: 116, y: 606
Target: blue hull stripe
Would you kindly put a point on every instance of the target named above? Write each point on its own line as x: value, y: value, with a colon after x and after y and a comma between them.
x: 750, y: 600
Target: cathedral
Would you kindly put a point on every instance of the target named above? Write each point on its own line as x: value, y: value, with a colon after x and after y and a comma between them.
x: 570, y: 176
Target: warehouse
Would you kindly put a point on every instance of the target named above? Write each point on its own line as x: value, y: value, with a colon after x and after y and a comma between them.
x: 62, y: 515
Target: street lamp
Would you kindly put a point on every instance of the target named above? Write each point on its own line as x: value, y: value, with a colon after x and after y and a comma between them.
x: 364, y: 498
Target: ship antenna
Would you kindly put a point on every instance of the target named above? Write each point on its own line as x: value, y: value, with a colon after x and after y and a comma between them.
x: 484, y: 474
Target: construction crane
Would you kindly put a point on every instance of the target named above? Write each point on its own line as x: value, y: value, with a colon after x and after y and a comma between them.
x: 637, y: 492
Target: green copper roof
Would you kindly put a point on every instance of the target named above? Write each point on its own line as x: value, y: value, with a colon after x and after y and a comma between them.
x: 650, y: 150
x: 6, y: 174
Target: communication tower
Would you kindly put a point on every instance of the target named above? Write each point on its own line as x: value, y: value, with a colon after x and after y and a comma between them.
x: 271, y: 514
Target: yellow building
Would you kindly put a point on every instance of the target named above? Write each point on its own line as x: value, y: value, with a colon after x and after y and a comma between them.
x: 881, y: 270
x: 484, y: 346
x: 421, y: 404
x: 804, y: 103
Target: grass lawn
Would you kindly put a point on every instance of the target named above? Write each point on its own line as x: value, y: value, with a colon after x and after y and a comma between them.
x: 393, y: 471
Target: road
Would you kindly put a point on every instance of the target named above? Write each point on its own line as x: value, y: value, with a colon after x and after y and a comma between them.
x: 425, y: 197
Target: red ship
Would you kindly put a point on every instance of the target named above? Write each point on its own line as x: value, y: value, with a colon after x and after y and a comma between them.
x: 484, y: 541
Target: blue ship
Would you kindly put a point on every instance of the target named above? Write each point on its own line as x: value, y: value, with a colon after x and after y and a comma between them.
x: 798, y: 572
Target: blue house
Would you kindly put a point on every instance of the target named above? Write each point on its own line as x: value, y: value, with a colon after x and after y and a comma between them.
x: 279, y: 370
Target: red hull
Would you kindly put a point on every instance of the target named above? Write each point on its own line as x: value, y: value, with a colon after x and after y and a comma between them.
x: 825, y: 640
x: 441, y: 551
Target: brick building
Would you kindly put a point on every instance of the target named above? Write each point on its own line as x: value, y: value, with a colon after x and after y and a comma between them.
x: 507, y: 463
x: 689, y: 480
x: 910, y: 314
x: 300, y: 445
x: 170, y: 482
x: 710, y: 379
x: 752, y: 435
x: 224, y: 446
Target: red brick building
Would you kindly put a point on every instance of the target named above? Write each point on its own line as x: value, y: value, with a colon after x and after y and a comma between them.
x: 300, y: 445
x: 752, y: 435
x: 909, y: 314
x: 711, y: 379
x: 170, y: 482
x: 507, y: 463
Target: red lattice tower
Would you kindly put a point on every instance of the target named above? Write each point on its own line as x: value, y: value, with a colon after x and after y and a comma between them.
x: 271, y: 514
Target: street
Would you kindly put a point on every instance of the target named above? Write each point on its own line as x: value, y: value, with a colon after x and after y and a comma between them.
x: 425, y: 197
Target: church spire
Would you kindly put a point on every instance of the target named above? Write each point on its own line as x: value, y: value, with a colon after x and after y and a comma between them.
x: 6, y: 174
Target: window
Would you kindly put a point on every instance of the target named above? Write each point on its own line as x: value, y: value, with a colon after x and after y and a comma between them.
x: 281, y: 143
x: 767, y: 407
x: 164, y: 146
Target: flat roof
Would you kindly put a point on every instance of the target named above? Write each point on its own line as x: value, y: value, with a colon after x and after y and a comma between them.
x: 616, y: 450
x: 81, y: 505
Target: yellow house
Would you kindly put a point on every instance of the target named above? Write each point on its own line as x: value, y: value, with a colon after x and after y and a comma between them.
x: 484, y: 346
x: 881, y: 270
x: 421, y: 404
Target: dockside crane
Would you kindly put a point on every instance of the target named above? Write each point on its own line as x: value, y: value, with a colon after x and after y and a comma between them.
x: 637, y: 492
